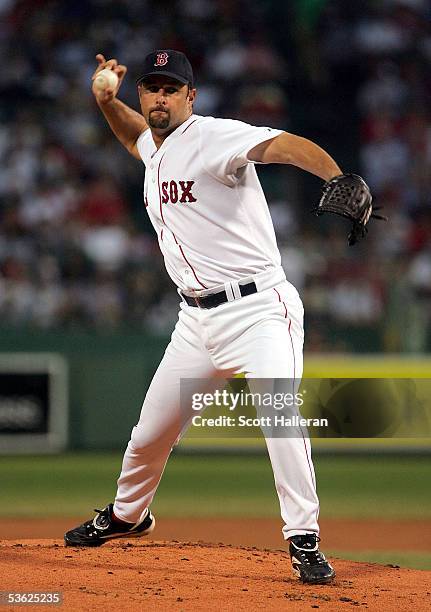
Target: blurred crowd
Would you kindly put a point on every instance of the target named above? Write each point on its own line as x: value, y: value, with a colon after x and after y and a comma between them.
x: 76, y: 247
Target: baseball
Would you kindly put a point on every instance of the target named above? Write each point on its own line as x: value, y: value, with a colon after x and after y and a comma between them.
x: 106, y: 79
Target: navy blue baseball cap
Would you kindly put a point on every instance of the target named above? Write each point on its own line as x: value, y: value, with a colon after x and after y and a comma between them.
x: 169, y: 63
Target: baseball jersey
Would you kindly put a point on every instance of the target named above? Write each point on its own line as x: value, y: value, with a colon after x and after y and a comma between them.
x: 205, y: 201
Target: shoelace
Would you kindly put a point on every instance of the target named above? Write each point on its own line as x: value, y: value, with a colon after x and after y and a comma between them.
x: 309, y: 552
x: 308, y: 538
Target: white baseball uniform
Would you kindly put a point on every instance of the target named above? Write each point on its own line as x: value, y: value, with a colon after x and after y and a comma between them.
x: 208, y: 208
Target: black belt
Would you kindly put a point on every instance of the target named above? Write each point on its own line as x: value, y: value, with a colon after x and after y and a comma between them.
x: 215, y: 299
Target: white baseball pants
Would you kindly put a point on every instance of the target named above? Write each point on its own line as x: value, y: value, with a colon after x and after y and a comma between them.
x: 260, y: 335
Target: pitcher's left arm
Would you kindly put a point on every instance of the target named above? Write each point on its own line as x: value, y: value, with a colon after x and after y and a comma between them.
x: 297, y: 151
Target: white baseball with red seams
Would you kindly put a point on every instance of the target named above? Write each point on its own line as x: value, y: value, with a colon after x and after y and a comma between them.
x: 106, y: 79
x: 205, y: 201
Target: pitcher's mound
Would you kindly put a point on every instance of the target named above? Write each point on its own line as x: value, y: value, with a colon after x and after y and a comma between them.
x: 142, y: 575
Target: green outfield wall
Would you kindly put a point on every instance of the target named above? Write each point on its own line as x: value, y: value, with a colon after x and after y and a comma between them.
x: 107, y: 379
x: 108, y: 374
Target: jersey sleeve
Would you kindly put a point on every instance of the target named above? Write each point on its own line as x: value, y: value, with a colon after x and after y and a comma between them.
x: 225, y: 144
x: 145, y: 145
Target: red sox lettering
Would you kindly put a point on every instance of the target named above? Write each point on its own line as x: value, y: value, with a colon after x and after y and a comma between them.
x: 181, y: 192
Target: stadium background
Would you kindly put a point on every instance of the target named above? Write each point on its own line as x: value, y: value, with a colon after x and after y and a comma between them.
x: 80, y: 271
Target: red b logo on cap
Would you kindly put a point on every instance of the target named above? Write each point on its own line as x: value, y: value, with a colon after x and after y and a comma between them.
x: 161, y: 59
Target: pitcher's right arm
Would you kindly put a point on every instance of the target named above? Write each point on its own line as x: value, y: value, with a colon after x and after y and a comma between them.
x: 126, y: 123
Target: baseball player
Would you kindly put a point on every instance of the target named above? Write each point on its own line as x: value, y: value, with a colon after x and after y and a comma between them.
x: 238, y: 313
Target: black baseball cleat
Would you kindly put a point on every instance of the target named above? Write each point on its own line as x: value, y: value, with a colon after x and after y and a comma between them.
x: 102, y: 528
x: 308, y: 563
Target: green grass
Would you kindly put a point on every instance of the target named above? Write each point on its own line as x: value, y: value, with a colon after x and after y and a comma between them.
x: 414, y: 560
x: 375, y: 487
x: 355, y: 487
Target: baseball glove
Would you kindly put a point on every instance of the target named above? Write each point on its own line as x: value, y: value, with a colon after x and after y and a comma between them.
x: 348, y: 195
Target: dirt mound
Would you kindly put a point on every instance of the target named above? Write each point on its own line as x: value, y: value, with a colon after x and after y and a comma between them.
x: 143, y: 575
x: 337, y: 534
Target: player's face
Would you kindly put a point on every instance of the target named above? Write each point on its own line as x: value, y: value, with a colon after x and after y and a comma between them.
x: 165, y: 102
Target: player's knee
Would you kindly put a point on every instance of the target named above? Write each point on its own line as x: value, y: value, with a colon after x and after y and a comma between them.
x: 148, y: 439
